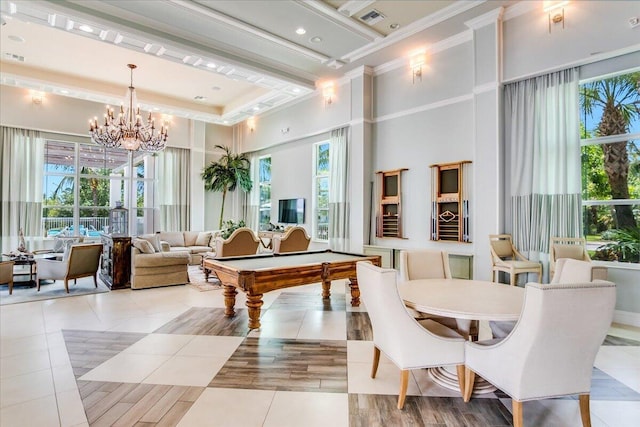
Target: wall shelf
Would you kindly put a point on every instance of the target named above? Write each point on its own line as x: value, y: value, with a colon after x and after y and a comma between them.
x: 449, y: 202
x: 389, y: 218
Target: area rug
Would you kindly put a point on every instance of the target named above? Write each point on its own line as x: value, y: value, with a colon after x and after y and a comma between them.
x: 49, y: 291
x: 196, y: 280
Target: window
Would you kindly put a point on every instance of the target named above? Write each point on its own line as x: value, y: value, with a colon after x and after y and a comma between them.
x: 264, y: 179
x: 321, y: 191
x: 610, y: 139
x: 82, y: 182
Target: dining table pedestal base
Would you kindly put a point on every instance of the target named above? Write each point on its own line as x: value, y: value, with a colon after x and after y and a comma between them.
x: 447, y: 377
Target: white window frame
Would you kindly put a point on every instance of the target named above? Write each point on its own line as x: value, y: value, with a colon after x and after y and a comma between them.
x: 265, y: 184
x: 314, y: 211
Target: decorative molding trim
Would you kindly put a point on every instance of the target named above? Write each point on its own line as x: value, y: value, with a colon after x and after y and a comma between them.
x: 627, y: 318
x: 422, y: 108
x: 487, y: 87
x: 225, y: 19
x: 345, y: 22
x: 486, y: 19
x: 442, y: 45
x: 360, y: 71
x: 519, y: 8
x: 429, y: 21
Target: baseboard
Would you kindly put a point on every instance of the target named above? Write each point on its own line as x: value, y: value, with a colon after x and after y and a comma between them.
x: 627, y: 318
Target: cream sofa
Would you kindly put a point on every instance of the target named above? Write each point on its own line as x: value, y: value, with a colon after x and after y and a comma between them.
x: 164, y: 268
x: 194, y: 243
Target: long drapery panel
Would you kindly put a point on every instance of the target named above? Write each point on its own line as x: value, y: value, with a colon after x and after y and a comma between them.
x: 543, y: 161
x: 339, y: 203
x: 21, y: 172
x: 174, y: 174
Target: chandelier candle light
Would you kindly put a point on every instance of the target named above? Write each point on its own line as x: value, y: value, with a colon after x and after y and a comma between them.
x: 127, y: 130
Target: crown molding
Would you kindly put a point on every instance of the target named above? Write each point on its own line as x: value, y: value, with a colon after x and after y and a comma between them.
x: 519, y: 8
x: 488, y: 18
x: 326, y: 11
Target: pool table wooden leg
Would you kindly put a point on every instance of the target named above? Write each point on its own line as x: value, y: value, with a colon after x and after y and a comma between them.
x: 355, y: 292
x: 254, y: 302
x: 229, y: 300
x: 326, y: 289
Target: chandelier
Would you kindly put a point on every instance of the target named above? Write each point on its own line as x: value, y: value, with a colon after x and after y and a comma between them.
x: 127, y: 129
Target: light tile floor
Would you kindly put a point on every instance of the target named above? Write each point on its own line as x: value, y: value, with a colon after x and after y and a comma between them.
x: 38, y: 386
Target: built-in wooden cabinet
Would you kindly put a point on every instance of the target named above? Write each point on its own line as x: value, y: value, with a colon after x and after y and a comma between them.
x: 115, y: 265
x: 389, y: 218
x: 449, y: 202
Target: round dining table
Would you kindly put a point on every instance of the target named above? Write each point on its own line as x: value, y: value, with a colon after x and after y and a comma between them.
x: 462, y: 299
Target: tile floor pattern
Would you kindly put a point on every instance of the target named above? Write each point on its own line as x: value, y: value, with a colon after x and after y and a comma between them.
x: 168, y: 356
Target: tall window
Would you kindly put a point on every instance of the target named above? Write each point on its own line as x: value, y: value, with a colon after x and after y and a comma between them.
x: 83, y: 181
x: 321, y: 192
x: 264, y: 178
x: 610, y: 139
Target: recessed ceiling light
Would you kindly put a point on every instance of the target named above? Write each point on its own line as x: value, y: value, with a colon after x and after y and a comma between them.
x: 85, y: 28
x: 300, y: 31
x: 394, y: 26
x: 216, y: 88
x: 64, y: 91
x: 315, y: 39
x: 296, y: 90
x: 211, y: 65
x: 226, y: 122
x: 16, y: 38
x: 199, y: 98
x: 256, y: 108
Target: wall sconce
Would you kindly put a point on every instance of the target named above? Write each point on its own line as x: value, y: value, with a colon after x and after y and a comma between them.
x: 328, y: 92
x: 416, y: 61
x: 37, y: 97
x: 251, y: 123
x: 556, y: 16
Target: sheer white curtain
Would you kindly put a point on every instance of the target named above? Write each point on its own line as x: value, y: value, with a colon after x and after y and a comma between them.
x: 174, y: 189
x: 543, y: 160
x: 339, y: 189
x: 252, y: 199
x: 21, y: 172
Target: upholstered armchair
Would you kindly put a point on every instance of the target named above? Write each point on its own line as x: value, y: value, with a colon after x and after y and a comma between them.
x: 6, y: 274
x: 568, y: 271
x: 242, y: 241
x: 552, y: 348
x: 506, y: 258
x: 407, y: 343
x: 81, y: 261
x: 566, y: 247
x: 294, y: 240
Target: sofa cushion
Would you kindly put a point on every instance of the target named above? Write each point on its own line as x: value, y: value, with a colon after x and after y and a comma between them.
x: 190, y: 238
x: 174, y: 238
x: 162, y: 259
x: 153, y: 239
x: 143, y: 246
x: 199, y: 249
x: 204, y: 237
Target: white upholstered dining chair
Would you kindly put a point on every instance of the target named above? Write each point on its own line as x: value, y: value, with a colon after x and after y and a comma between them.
x: 552, y: 348
x: 407, y: 343
x: 566, y: 247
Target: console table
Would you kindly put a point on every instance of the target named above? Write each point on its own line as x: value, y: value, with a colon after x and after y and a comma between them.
x: 115, y: 265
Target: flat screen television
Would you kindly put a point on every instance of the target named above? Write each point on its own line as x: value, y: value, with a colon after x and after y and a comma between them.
x: 291, y: 211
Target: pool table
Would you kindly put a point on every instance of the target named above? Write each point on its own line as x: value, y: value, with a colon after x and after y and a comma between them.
x: 258, y: 274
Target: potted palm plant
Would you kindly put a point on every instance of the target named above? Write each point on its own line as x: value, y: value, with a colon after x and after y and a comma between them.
x: 226, y: 174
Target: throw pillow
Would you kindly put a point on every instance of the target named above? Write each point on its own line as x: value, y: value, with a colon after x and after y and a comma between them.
x: 154, y: 239
x: 204, y: 237
x: 143, y: 246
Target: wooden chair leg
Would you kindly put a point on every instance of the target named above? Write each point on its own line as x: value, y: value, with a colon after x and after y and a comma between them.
x: 376, y: 361
x: 517, y: 413
x: 513, y: 278
x: 469, y: 380
x: 460, y: 370
x: 66, y: 285
x: 404, y: 382
x: 37, y: 283
x: 11, y: 287
x: 584, y: 410
x: 95, y: 279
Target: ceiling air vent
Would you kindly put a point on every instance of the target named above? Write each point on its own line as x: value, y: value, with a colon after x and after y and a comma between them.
x: 14, y: 57
x: 372, y: 18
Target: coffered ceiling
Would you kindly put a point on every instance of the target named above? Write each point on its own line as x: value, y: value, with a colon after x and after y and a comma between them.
x: 216, y: 61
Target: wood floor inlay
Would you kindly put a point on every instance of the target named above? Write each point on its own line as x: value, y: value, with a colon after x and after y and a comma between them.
x: 359, y: 326
x: 88, y: 349
x: 127, y: 404
x: 208, y: 321
x: 309, y: 301
x: 286, y: 364
x: 370, y: 410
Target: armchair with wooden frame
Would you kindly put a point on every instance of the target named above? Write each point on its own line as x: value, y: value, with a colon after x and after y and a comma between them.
x: 566, y: 247
x: 242, y: 241
x: 81, y: 261
x: 294, y: 240
x: 6, y: 274
x: 506, y: 258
